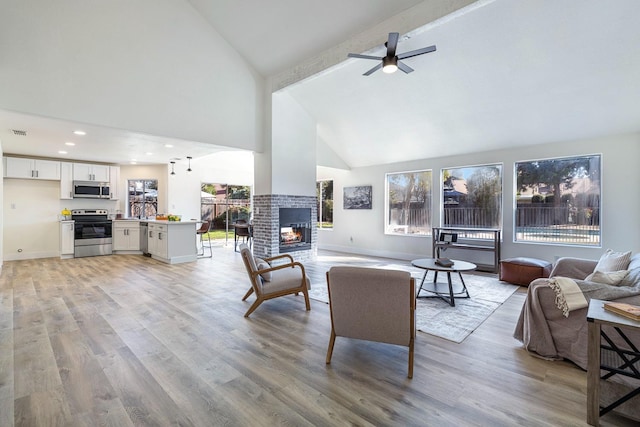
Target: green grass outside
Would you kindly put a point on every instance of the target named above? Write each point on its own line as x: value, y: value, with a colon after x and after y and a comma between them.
x: 218, y: 234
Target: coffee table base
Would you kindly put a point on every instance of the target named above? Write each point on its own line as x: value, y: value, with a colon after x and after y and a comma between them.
x: 446, y: 291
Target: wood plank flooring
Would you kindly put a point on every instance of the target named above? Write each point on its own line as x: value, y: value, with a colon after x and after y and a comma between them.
x: 124, y: 340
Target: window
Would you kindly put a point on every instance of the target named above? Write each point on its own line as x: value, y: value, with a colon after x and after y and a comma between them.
x: 142, y: 199
x: 324, y: 194
x: 558, y: 201
x: 408, y: 200
x: 472, y: 197
x: 224, y: 204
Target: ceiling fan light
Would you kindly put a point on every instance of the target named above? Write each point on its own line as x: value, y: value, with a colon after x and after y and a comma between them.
x: 389, y: 65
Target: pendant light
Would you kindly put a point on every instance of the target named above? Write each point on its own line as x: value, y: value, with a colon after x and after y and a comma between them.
x: 189, y: 168
x: 173, y: 172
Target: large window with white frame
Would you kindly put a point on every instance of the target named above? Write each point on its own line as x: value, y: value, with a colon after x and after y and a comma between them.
x: 408, y: 203
x: 472, y: 196
x: 558, y: 200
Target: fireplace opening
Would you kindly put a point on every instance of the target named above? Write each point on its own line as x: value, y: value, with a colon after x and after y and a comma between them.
x: 295, y: 229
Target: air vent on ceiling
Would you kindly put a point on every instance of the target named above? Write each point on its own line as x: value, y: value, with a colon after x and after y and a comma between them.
x: 19, y: 132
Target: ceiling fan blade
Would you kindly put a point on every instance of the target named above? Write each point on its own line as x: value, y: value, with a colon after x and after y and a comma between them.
x: 417, y: 52
x: 373, y: 70
x: 357, y: 55
x: 392, y: 44
x: 404, y: 67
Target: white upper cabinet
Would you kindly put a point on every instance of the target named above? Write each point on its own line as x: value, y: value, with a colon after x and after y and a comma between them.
x: 66, y: 180
x: 16, y: 167
x: 87, y: 172
x: 114, y: 182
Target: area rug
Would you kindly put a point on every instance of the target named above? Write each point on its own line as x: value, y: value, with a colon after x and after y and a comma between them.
x: 436, y: 317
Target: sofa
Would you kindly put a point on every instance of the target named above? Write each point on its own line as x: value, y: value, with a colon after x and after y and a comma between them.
x: 546, y: 332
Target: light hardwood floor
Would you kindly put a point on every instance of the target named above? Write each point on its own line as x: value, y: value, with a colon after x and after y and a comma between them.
x: 124, y: 340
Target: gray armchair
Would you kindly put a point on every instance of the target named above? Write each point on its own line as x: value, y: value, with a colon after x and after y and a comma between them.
x: 372, y: 304
x: 272, y: 281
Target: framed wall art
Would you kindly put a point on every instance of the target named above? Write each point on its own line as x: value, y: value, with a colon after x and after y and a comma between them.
x: 357, y: 197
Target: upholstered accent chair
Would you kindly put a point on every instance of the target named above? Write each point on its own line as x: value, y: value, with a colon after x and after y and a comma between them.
x: 374, y: 305
x: 272, y: 278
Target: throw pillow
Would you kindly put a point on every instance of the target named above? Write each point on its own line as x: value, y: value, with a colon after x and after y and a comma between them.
x: 613, y: 261
x: 608, y: 278
x: 262, y: 265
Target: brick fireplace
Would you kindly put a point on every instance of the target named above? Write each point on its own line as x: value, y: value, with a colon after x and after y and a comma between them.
x: 285, y: 224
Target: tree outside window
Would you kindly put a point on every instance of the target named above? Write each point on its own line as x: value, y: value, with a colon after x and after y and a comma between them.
x: 324, y: 195
x: 558, y: 201
x: 472, y: 197
x: 408, y: 201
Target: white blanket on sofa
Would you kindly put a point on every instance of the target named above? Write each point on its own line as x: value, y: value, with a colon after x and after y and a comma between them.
x: 569, y: 296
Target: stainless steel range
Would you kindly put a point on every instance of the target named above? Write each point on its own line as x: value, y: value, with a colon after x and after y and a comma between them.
x: 93, y: 232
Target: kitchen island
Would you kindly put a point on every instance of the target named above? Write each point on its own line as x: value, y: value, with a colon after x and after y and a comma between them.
x: 172, y: 242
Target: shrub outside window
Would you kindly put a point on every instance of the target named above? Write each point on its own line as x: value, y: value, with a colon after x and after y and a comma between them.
x: 558, y: 201
x: 408, y: 201
x: 472, y: 197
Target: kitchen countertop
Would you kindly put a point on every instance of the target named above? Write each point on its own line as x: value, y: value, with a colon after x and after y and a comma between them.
x: 158, y: 221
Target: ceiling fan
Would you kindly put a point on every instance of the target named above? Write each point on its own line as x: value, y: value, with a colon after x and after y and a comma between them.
x: 391, y: 62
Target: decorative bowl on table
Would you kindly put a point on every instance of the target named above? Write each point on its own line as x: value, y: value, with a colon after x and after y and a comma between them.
x: 174, y: 217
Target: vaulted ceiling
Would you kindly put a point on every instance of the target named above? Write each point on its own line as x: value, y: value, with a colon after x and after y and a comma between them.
x: 504, y: 74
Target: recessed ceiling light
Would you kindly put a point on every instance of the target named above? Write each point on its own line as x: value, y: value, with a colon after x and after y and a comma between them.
x: 70, y: 143
x: 149, y: 154
x: 79, y: 132
x: 168, y: 145
x: 133, y: 162
x: 62, y: 152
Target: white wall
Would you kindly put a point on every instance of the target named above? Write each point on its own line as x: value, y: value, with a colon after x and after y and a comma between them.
x: 151, y: 66
x: 620, y: 201
x: 31, y: 214
x: 137, y: 172
x: 292, y: 158
x: 1, y: 209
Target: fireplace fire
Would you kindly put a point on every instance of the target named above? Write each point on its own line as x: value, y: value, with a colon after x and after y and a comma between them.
x: 295, y: 229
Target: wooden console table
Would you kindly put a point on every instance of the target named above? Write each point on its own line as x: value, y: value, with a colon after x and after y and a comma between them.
x: 627, y: 360
x: 466, y: 239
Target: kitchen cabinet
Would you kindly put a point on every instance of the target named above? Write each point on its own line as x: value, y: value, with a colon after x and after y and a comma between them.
x: 67, y: 239
x: 87, y: 172
x: 17, y: 167
x: 158, y: 241
x: 66, y: 180
x: 172, y: 242
x: 114, y: 181
x: 126, y: 236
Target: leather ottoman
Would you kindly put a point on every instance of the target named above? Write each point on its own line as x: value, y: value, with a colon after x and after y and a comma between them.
x: 522, y: 271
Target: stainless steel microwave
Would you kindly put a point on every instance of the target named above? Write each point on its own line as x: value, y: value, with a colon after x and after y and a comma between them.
x: 91, y: 190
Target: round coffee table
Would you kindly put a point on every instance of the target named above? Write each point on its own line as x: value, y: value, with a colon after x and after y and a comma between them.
x: 448, y: 291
